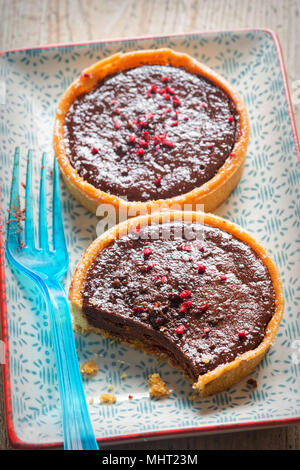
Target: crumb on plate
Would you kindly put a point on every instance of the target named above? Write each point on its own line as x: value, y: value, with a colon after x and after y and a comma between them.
x: 157, y: 387
x: 192, y: 397
x: 108, y: 399
x: 252, y: 383
x: 89, y: 367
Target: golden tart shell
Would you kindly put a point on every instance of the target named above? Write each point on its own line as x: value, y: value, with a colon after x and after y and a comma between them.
x: 224, y: 375
x: 211, y: 194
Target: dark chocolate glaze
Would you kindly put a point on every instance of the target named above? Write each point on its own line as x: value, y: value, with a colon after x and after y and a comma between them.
x: 184, y: 159
x: 239, y: 307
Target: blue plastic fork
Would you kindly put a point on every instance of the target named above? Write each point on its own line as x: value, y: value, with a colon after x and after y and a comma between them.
x: 46, y: 267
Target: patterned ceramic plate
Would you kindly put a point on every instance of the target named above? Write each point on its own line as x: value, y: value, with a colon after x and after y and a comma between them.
x: 266, y: 203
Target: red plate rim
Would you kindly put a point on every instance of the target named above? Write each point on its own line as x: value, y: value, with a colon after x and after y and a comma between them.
x: 14, y: 440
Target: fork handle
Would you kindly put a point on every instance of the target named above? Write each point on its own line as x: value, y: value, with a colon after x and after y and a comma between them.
x: 77, y: 427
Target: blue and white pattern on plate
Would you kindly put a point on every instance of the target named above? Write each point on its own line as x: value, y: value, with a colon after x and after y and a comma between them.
x: 266, y: 203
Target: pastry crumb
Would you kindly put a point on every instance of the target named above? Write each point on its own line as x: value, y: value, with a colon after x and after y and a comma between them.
x: 89, y: 368
x: 108, y: 398
x: 124, y: 376
x: 157, y: 387
x: 110, y: 387
x: 252, y: 383
x: 192, y: 397
x: 91, y: 401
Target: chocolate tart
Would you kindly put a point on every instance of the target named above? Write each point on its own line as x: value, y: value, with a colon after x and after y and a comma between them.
x: 189, y: 286
x: 151, y: 128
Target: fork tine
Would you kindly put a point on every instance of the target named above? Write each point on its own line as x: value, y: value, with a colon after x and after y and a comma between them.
x: 58, y: 228
x: 43, y: 232
x: 14, y: 229
x: 29, y: 228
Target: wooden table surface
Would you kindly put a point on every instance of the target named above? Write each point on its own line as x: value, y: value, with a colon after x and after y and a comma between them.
x: 34, y: 22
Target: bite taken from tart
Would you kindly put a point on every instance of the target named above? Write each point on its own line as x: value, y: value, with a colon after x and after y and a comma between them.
x: 143, y: 129
x: 188, y: 286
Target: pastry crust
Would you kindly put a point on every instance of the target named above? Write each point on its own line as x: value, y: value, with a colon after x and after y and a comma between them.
x: 224, y: 375
x: 211, y: 194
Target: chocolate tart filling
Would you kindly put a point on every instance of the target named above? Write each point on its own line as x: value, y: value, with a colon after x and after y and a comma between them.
x: 201, y: 300
x: 151, y: 132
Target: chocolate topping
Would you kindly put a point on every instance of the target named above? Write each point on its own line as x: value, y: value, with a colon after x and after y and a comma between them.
x: 150, y: 132
x: 160, y: 297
